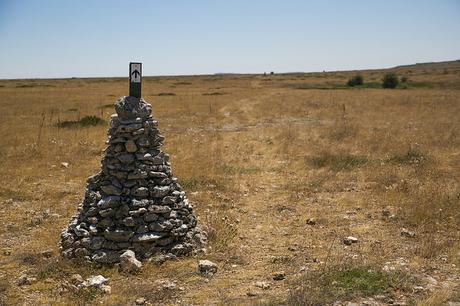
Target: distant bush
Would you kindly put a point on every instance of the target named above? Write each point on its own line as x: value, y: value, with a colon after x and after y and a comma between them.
x: 356, y: 81
x: 216, y: 93
x: 83, y: 122
x: 390, y: 80
x: 165, y: 94
x: 404, y: 79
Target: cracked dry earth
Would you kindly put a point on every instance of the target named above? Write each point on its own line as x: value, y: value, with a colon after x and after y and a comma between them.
x: 278, y: 177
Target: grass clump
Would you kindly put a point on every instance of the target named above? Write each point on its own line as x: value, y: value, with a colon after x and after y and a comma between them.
x: 338, y: 162
x: 322, y: 288
x: 82, y: 122
x: 165, y: 94
x: 412, y: 156
x: 357, y: 80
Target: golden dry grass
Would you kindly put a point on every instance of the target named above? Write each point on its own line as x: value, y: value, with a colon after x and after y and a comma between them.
x: 258, y: 157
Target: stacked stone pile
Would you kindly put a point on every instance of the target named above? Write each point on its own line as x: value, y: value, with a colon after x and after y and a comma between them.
x: 134, y: 203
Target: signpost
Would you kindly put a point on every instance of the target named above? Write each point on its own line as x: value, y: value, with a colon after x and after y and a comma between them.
x: 135, y: 78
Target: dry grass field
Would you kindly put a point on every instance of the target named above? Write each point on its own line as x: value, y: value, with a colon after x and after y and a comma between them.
x: 280, y: 169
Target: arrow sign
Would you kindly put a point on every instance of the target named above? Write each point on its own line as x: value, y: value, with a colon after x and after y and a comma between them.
x: 135, y: 78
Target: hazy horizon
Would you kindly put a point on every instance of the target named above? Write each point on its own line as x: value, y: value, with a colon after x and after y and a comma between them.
x: 60, y: 39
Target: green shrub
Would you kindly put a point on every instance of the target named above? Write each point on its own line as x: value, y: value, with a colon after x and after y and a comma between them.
x: 390, y: 80
x: 356, y: 81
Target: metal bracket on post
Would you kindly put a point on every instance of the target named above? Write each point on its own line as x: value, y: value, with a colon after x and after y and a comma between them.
x: 135, y: 79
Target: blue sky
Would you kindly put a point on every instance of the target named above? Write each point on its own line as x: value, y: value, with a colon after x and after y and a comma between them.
x: 84, y: 38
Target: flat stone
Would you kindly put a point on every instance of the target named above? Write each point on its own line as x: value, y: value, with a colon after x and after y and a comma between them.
x: 157, y: 209
x: 126, y: 158
x: 138, y: 212
x: 159, y: 192
x: 111, y: 190
x: 140, y: 203
x: 169, y: 200
x: 137, y: 174
x: 109, y: 201
x: 150, y: 217
x: 155, y: 174
x: 140, y: 192
x: 148, y: 237
x: 106, y: 257
x: 118, y: 235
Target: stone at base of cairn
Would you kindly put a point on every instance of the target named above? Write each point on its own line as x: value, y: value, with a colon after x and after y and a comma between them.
x: 134, y: 202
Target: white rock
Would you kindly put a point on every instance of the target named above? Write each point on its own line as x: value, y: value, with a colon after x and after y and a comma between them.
x: 24, y: 279
x: 263, y: 285
x: 129, y: 263
x: 207, y: 267
x: 95, y: 281
x: 140, y: 301
x: 349, y: 240
x: 407, y: 233
x: 65, y: 164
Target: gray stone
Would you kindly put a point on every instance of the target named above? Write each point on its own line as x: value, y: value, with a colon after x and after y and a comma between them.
x: 108, y: 202
x: 140, y: 192
x: 159, y: 209
x: 137, y: 174
x: 150, y: 217
x: 350, y: 240
x: 118, y: 235
x: 169, y: 200
x: 160, y: 226
x: 129, y: 263
x: 126, y: 158
x: 158, y: 160
x: 207, y: 267
x: 96, y: 243
x: 139, y: 203
x: 155, y: 174
x: 139, y: 212
x: 129, y: 221
x: 106, y: 257
x: 111, y: 190
x: 132, y: 107
x: 159, y: 192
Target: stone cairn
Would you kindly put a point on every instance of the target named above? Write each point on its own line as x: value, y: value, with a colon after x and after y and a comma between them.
x: 134, y: 202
